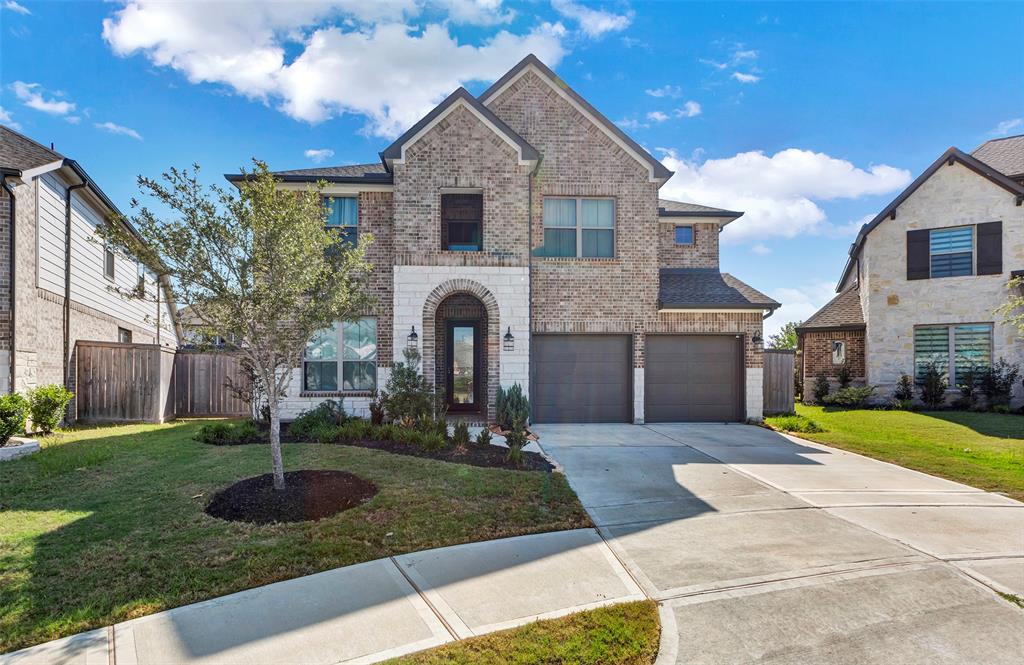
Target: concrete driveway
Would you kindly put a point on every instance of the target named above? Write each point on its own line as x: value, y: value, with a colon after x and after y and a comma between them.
x: 764, y: 548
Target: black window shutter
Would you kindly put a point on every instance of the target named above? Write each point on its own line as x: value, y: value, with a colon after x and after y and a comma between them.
x: 918, y: 254
x: 990, y: 248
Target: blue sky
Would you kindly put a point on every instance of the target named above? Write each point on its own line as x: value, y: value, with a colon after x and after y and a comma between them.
x: 810, y: 117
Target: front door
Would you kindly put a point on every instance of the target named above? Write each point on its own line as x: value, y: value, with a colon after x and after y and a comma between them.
x: 463, y: 365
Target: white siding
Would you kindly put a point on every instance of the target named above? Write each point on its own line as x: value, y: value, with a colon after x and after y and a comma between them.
x: 89, y: 286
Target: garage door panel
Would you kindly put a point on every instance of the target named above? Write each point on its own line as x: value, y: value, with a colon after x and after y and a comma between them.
x: 692, y: 378
x: 581, y: 378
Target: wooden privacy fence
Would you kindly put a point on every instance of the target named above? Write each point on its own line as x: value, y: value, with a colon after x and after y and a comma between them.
x: 117, y: 382
x: 200, y: 384
x: 778, y: 381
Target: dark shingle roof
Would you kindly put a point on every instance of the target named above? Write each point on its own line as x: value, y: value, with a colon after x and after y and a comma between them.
x: 669, y: 208
x: 22, y: 153
x: 843, y: 311
x: 697, y: 288
x: 375, y: 173
x: 1006, y: 155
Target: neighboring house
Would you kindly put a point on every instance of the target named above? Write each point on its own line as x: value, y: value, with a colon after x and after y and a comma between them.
x: 519, y: 238
x: 924, y: 277
x: 56, y: 282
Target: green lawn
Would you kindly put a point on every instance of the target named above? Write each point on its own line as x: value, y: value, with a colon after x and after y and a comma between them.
x: 626, y: 634
x: 107, y: 524
x: 985, y: 450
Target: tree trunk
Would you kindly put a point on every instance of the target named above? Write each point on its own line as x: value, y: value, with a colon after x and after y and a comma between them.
x: 275, y: 446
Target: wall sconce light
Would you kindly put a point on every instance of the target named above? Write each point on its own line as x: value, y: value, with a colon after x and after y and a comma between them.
x: 757, y: 340
x: 509, y: 342
x: 413, y: 338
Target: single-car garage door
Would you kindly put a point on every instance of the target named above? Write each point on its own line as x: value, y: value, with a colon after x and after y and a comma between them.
x: 581, y: 378
x: 693, y: 378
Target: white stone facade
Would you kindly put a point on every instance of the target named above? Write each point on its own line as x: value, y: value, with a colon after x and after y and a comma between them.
x: 638, y: 395
x: 893, y: 305
x: 755, y: 393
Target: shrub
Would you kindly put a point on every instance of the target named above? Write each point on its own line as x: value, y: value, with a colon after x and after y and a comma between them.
x: 904, y: 391
x: 484, y: 437
x: 512, y: 406
x: 844, y: 376
x: 46, y: 405
x: 821, y: 388
x: 516, y: 440
x: 850, y: 397
x: 229, y: 434
x: 329, y: 413
x: 433, y: 442
x: 13, y: 414
x: 794, y: 423
x: 967, y: 382
x: 378, y: 406
x: 997, y: 382
x: 408, y: 397
x: 460, y: 437
x: 933, y: 386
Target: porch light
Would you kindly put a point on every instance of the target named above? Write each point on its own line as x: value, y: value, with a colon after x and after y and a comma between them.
x: 413, y: 338
x: 509, y: 341
x: 757, y: 340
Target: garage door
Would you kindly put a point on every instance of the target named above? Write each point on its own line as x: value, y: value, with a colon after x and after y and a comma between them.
x: 691, y: 378
x: 581, y: 378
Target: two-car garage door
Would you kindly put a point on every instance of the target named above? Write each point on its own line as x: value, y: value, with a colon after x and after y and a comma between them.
x: 589, y: 378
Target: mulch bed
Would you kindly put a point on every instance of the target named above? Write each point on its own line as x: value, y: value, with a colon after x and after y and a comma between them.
x: 308, y: 495
x: 474, y: 455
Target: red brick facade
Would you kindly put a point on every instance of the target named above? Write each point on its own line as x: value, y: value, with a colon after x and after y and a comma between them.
x: 815, y: 355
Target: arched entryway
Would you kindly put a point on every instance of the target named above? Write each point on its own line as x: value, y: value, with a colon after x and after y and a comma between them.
x: 461, y: 348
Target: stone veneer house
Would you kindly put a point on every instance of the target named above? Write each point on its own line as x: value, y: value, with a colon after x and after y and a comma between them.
x: 925, y: 276
x: 54, y: 281
x: 519, y: 238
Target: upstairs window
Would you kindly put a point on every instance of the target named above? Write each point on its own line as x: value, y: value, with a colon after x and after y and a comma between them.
x: 462, y: 220
x: 952, y: 251
x: 343, y: 217
x: 684, y: 235
x: 579, y: 227
x: 108, y: 262
x: 140, y: 283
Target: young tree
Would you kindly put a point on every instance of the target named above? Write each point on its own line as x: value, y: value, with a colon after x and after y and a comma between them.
x: 1013, y: 309
x: 785, y: 338
x: 257, y: 266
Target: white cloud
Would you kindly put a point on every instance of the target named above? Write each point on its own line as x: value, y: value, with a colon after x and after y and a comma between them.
x: 849, y: 229
x: 657, y: 116
x: 6, y: 119
x: 119, y: 129
x: 798, y: 303
x: 778, y: 193
x: 714, y: 63
x: 31, y: 95
x: 593, y: 22
x: 1006, y: 126
x: 630, y: 123
x: 746, y: 78
x: 475, y: 12
x: 319, y: 155
x: 72, y: 119
x: 761, y: 249
x: 16, y: 8
x: 369, y: 64
x: 741, y: 55
x: 690, y: 109
x: 665, y: 91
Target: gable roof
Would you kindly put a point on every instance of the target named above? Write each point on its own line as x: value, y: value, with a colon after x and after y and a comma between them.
x: 1006, y: 155
x: 669, y: 208
x: 841, y: 313
x: 706, y: 288
x: 659, y: 172
x: 349, y: 173
x: 396, y: 151
x: 21, y: 153
x: 951, y: 156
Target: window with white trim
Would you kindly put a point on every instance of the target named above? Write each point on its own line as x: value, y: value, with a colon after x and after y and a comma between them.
x: 343, y: 355
x: 108, y: 262
x: 579, y: 227
x: 954, y: 349
x: 951, y: 251
x: 343, y: 216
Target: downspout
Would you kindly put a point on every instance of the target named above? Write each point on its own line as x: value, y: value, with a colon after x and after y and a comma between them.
x: 14, y: 268
x: 67, y: 279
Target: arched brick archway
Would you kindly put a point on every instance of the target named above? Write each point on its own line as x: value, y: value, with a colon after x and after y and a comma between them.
x: 492, y: 333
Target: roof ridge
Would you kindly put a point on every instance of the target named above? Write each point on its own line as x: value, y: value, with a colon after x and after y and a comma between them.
x: 33, y: 141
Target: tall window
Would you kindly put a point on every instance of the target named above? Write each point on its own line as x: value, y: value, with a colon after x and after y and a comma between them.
x: 462, y: 217
x: 580, y: 227
x: 354, y: 368
x: 343, y: 216
x: 108, y: 262
x: 140, y: 283
x: 953, y: 349
x: 952, y: 251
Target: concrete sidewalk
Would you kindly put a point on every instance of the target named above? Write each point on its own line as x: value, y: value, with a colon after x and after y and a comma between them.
x: 367, y: 612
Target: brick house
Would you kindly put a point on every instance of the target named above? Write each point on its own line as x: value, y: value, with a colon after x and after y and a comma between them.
x: 56, y: 284
x: 519, y: 238
x: 925, y: 276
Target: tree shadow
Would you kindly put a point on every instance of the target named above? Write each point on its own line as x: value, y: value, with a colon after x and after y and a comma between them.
x: 996, y: 425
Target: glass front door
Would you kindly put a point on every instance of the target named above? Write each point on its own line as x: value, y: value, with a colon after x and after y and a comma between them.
x: 463, y: 365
